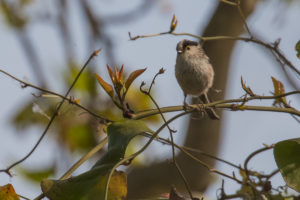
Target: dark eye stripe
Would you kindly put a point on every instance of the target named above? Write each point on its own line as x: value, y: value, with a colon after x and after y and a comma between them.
x: 189, y: 43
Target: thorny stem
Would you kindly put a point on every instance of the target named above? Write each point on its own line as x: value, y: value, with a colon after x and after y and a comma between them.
x: 95, y: 53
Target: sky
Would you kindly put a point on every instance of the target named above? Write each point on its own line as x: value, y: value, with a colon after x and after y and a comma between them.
x: 242, y: 132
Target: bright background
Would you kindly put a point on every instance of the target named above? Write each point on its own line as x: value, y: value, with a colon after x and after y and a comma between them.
x: 242, y: 132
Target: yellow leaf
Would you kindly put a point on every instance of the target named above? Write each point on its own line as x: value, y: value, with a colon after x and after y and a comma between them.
x: 121, y: 74
x: 133, y: 76
x: 7, y: 192
x: 278, y: 86
x: 117, y: 188
x: 279, y: 90
x: 77, y: 101
x: 173, y: 24
x: 107, y: 87
x: 243, y: 174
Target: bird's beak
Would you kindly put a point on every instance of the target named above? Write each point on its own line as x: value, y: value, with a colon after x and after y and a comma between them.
x: 179, y: 51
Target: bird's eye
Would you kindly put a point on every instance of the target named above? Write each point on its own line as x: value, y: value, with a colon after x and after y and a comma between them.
x: 188, y: 48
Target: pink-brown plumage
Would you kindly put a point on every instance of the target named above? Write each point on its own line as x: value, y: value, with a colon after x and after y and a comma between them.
x: 193, y: 70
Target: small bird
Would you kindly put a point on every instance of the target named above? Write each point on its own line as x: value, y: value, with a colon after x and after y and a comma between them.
x: 194, y: 72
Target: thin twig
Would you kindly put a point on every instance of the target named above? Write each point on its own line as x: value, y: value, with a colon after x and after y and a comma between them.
x: 161, y: 71
x: 168, y: 142
x: 225, y: 104
x: 95, y: 53
x: 124, y: 160
x: 271, y: 47
x: 252, y: 155
x: 228, y: 2
x: 21, y: 196
x: 238, y: 5
x: 272, y: 174
x: 70, y: 100
x: 84, y: 158
x: 79, y: 162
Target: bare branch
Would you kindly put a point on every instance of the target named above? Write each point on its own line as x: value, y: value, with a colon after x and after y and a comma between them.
x: 70, y: 100
x: 95, y: 53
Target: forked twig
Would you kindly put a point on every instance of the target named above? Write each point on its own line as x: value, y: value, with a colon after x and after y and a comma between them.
x: 161, y: 71
x: 95, y: 53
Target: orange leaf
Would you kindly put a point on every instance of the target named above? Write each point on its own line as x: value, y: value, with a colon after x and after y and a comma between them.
x: 121, y: 73
x: 111, y: 74
x: 117, y: 75
x: 8, y: 192
x: 107, y: 87
x: 133, y: 76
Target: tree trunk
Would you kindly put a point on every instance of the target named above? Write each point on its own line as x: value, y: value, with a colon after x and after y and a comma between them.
x: 202, y: 134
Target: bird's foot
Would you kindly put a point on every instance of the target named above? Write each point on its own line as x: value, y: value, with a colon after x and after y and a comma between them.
x: 186, y: 106
x: 200, y: 107
x: 212, y: 114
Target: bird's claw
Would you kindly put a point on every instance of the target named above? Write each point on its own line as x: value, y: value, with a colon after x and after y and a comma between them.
x: 186, y: 106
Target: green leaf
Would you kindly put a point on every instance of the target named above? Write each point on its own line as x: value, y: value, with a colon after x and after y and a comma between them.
x: 119, y: 136
x: 26, y: 117
x: 287, y: 157
x: 87, y: 186
x: 91, y: 184
x: 79, y: 136
x: 297, y: 48
x: 38, y: 174
x: 86, y: 82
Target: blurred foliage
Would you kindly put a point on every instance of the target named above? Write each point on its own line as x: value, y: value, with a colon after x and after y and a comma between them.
x: 91, y: 185
x: 76, y: 130
x: 119, y: 88
x: 26, y: 117
x: 79, y: 137
x: 297, y: 48
x: 87, y: 186
x: 36, y: 175
x: 86, y: 84
x: 14, y: 12
x: 7, y: 192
